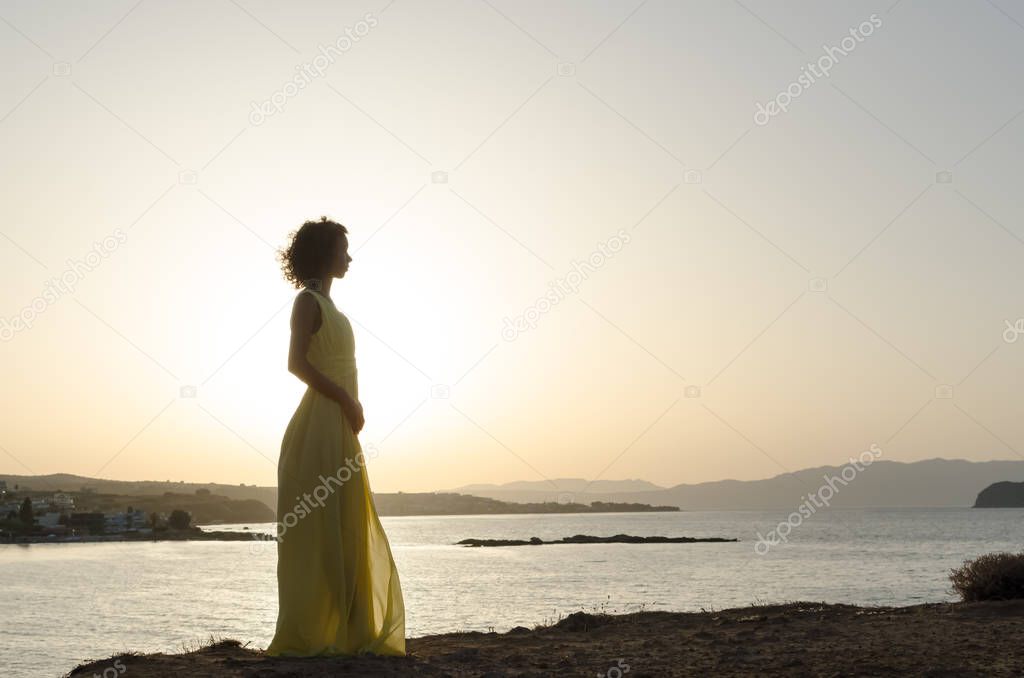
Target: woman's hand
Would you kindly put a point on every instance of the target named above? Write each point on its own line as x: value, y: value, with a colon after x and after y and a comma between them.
x: 353, y: 411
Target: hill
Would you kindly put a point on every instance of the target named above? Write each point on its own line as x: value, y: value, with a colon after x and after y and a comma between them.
x: 929, y: 483
x: 67, y: 482
x: 209, y: 508
x: 205, y: 509
x: 452, y: 504
x: 563, y: 485
x: 1001, y: 495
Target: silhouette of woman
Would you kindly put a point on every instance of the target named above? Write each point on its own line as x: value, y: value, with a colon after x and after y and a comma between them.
x: 338, y: 587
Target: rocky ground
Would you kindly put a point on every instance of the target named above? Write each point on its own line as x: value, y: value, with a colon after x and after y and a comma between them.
x: 798, y: 639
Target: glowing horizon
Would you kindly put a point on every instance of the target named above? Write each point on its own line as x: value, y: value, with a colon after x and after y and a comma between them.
x: 694, y: 292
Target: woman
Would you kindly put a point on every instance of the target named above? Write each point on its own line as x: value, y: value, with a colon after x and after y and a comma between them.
x: 338, y: 587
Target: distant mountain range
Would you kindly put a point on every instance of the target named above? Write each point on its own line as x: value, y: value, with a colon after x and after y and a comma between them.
x: 930, y: 483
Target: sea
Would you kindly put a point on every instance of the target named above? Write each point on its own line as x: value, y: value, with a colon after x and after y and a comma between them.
x: 67, y: 603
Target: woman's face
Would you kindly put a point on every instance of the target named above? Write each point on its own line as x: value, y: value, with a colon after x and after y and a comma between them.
x: 341, y: 259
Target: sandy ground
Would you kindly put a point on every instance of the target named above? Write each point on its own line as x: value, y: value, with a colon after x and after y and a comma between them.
x: 798, y: 639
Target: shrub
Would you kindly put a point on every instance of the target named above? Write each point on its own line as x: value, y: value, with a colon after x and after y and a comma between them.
x: 179, y: 520
x: 993, y: 576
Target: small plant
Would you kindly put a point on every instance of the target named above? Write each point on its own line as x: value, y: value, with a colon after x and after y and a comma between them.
x: 602, y: 608
x: 550, y: 621
x: 993, y: 576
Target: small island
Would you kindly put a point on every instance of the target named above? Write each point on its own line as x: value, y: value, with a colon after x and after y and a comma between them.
x: 1001, y: 495
x: 588, y: 539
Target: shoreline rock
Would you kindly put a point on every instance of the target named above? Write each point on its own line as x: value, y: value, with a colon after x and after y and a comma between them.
x: 588, y: 539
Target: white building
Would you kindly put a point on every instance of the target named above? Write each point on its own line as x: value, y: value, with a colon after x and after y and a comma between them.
x: 63, y: 500
x: 119, y: 522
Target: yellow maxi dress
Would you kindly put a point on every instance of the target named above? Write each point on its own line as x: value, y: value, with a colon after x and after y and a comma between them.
x: 338, y: 587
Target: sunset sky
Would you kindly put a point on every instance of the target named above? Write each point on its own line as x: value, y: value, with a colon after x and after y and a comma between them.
x: 790, y: 289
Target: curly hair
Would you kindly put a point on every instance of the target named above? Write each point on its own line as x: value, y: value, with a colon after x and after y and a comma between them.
x: 305, y: 258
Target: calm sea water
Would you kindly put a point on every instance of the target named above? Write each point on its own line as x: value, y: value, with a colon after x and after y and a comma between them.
x: 64, y: 603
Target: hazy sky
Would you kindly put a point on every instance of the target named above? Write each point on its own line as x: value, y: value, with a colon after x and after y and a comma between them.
x: 767, y: 290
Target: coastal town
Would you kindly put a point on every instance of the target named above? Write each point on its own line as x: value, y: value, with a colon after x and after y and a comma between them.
x: 31, y: 516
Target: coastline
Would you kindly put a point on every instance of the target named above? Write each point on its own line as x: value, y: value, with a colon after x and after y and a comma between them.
x: 182, y: 535
x: 203, y: 535
x: 794, y: 639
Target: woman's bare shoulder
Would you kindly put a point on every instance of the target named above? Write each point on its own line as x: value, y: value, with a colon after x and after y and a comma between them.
x: 306, y: 310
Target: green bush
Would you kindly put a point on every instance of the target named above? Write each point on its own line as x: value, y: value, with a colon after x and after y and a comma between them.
x: 993, y: 576
x: 179, y: 520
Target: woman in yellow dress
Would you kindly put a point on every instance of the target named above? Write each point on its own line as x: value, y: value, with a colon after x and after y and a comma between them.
x: 338, y: 587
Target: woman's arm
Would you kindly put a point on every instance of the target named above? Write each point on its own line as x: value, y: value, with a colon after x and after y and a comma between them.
x: 304, y: 322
